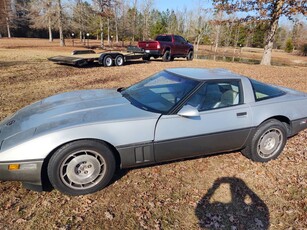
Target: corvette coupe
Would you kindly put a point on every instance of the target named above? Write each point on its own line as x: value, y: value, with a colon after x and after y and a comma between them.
x: 75, y: 141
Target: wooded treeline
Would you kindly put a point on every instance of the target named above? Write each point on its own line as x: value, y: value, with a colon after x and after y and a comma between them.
x: 227, y: 23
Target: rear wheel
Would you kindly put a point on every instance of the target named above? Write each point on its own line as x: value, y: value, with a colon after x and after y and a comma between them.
x: 166, y: 56
x: 81, y: 167
x: 119, y: 60
x: 268, y: 141
x: 107, y: 61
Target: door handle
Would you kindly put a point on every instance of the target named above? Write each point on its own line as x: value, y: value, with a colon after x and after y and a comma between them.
x: 241, y: 114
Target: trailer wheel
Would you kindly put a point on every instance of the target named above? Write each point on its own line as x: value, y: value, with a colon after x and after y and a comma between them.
x: 119, y: 60
x: 107, y: 61
x: 146, y: 58
x: 81, y: 63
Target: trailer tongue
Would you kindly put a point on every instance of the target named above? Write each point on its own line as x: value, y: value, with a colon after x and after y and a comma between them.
x: 81, y: 58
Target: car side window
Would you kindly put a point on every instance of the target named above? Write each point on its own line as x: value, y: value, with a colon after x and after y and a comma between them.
x: 214, y: 95
x: 179, y: 39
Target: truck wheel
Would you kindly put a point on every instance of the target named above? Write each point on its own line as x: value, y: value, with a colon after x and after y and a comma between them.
x: 81, y: 167
x: 166, y: 56
x: 268, y: 141
x: 107, y: 61
x: 190, y: 55
x: 119, y: 60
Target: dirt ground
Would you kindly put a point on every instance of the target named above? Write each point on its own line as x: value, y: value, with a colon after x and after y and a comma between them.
x: 218, y: 192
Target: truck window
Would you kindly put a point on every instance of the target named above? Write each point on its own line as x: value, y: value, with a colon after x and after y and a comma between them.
x: 162, y: 38
x: 179, y: 39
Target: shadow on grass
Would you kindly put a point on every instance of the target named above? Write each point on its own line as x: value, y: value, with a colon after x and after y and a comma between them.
x: 230, y: 204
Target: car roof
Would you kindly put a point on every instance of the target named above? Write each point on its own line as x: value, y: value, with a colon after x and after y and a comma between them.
x: 205, y: 74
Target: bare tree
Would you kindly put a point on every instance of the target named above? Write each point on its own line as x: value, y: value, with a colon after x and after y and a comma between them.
x: 7, y: 15
x: 103, y: 8
x: 218, y: 27
x: 270, y: 10
x: 146, y: 8
x: 42, y: 15
x: 60, y: 22
x: 201, y: 26
x: 134, y: 7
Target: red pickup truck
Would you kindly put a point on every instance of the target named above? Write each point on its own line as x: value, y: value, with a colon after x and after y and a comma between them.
x: 168, y: 47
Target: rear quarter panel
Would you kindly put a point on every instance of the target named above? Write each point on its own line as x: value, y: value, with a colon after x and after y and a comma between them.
x: 290, y: 106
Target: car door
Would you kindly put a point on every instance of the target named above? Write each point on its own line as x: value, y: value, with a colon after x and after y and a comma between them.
x: 180, y: 45
x: 221, y: 122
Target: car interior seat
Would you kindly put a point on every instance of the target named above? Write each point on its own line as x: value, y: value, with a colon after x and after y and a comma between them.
x: 228, y: 98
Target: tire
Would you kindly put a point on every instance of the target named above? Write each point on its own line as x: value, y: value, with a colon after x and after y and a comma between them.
x: 119, y: 60
x: 107, y: 61
x: 166, y: 56
x: 267, y: 142
x: 146, y: 58
x: 81, y: 167
x: 190, y: 56
x: 81, y: 63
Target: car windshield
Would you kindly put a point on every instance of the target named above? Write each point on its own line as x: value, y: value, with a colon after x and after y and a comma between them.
x: 160, y: 92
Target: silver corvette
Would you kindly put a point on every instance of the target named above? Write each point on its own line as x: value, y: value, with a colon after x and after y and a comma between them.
x: 74, y: 141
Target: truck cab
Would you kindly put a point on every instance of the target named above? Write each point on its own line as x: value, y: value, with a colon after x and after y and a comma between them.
x: 168, y: 47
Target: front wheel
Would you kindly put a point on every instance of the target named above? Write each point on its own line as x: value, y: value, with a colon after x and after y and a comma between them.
x: 81, y: 167
x: 107, y: 61
x: 268, y: 141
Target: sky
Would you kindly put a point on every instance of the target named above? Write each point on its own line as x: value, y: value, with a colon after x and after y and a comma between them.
x: 163, y: 5
x: 180, y: 4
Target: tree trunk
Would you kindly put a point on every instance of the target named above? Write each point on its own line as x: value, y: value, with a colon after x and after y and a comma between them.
x: 134, y: 20
x: 60, y: 16
x: 109, y: 42
x: 267, y: 53
x: 218, y: 31
x: 50, y: 29
x: 101, y: 31
x: 8, y: 27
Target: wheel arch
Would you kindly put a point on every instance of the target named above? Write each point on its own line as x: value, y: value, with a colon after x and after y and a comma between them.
x: 44, y: 174
x: 166, y: 49
x: 283, y: 119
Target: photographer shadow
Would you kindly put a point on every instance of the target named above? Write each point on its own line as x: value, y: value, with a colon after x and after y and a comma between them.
x: 230, y: 204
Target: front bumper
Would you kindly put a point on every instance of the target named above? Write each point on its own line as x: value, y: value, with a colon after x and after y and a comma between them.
x: 25, y: 171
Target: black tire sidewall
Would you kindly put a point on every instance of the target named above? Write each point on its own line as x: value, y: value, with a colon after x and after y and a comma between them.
x: 146, y: 58
x: 59, y: 156
x: 190, y: 56
x: 259, y: 132
x: 166, y: 56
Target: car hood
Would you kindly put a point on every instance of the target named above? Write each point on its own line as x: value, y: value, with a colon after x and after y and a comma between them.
x: 70, y: 109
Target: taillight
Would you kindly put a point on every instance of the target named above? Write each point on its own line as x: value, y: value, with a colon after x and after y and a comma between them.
x: 158, y: 46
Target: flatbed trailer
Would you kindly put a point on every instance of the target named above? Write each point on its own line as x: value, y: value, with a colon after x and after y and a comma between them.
x: 82, y: 58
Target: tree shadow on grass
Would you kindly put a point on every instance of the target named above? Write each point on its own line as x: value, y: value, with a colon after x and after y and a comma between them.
x: 230, y: 204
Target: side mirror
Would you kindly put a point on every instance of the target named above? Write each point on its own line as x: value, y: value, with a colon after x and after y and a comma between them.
x: 188, y: 111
